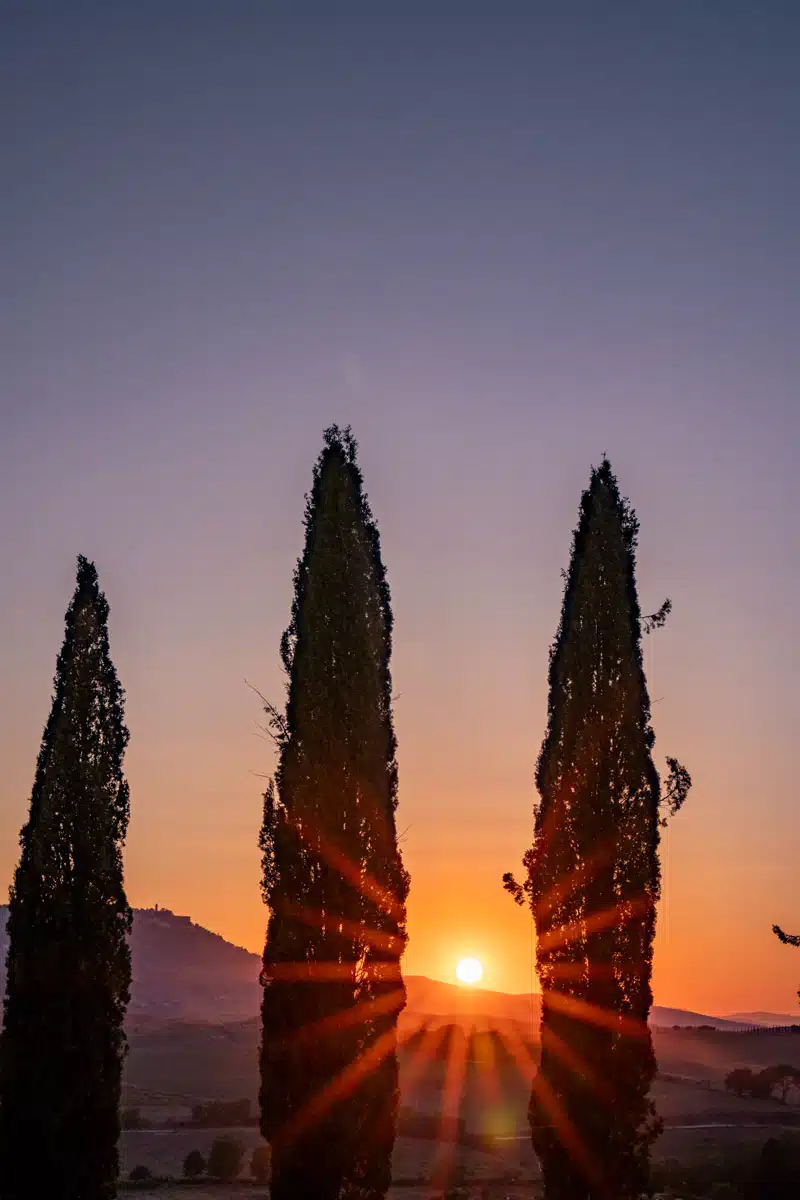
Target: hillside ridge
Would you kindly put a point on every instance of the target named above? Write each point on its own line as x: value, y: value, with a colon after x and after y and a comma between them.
x: 183, y: 971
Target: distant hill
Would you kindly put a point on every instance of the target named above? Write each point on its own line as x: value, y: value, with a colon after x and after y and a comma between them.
x: 769, y: 1019
x: 449, y: 1001
x: 182, y: 971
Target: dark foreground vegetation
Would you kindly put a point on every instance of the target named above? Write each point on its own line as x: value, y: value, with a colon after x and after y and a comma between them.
x: 764, y: 1169
x: 769, y: 1171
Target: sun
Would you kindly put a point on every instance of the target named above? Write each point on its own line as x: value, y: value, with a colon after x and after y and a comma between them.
x: 469, y: 970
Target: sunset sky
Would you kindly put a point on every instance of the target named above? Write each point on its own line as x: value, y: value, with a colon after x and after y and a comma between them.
x: 500, y: 240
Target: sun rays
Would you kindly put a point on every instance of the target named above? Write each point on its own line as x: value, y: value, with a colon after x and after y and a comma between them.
x: 446, y: 1064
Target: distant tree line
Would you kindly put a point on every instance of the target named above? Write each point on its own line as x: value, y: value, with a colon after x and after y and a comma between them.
x: 217, y: 1114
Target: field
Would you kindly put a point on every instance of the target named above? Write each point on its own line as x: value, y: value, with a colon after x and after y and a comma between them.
x: 512, y: 1174
x: 489, y: 1191
x: 415, y: 1162
x: 174, y: 1064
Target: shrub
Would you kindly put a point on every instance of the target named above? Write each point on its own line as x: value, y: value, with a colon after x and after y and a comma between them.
x: 259, y: 1164
x: 194, y: 1164
x: 225, y: 1159
x: 739, y: 1081
x: 140, y: 1173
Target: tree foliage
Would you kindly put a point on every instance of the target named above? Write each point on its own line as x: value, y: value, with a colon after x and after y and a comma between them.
x: 332, y: 872
x: 739, y: 1081
x: 592, y: 875
x: 68, y: 967
x: 788, y: 939
x: 764, y: 1084
x: 194, y: 1165
x: 778, y: 1170
x: 225, y: 1158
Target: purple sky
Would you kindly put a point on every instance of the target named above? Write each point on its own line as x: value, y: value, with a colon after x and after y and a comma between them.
x: 500, y: 239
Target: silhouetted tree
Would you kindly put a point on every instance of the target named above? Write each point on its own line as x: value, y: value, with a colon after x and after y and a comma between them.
x: 68, y: 959
x: 193, y: 1165
x: 788, y: 939
x: 333, y: 874
x: 739, y: 1081
x: 593, y: 871
x: 225, y: 1158
x: 778, y: 1171
x: 782, y: 1077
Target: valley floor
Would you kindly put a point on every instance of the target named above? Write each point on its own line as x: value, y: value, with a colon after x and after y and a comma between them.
x: 512, y: 1171
x: 510, y: 1175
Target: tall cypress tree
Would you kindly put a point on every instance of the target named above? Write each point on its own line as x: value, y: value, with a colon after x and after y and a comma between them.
x: 333, y: 875
x: 68, y: 963
x: 593, y: 872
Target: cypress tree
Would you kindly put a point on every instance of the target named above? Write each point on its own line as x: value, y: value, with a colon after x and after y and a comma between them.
x: 593, y: 874
x: 68, y: 967
x: 333, y: 875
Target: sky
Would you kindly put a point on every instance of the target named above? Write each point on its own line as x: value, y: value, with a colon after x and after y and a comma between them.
x: 500, y: 240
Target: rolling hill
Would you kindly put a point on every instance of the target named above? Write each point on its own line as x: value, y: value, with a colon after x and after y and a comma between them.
x: 767, y: 1019
x: 183, y: 972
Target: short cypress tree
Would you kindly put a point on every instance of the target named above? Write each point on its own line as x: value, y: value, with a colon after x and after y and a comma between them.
x: 68, y: 966
x: 333, y: 875
x: 593, y: 872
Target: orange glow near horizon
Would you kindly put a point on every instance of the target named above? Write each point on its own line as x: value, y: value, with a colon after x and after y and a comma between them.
x: 196, y: 811
x: 457, y: 904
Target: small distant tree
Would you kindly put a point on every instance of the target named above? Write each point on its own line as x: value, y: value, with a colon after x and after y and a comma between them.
x: 739, y: 1081
x: 193, y: 1165
x: 225, y: 1159
x: 781, y: 1078
x: 761, y: 1085
x: 140, y: 1173
x: 259, y: 1164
